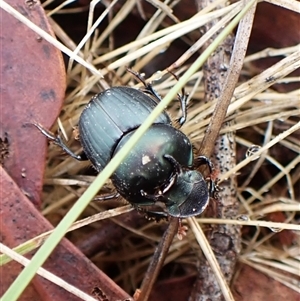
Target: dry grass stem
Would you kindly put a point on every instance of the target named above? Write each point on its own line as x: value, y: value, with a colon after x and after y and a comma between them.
x: 47, y: 275
x: 288, y: 4
x: 266, y: 123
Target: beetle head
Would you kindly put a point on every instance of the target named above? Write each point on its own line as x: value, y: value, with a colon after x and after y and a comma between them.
x: 188, y: 196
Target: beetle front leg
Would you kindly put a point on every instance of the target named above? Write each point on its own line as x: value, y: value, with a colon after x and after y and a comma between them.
x: 58, y: 141
x: 173, y: 161
x: 201, y: 160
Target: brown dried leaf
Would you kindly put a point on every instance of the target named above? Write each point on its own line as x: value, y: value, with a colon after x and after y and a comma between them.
x: 32, y: 89
x: 20, y: 221
x: 256, y: 286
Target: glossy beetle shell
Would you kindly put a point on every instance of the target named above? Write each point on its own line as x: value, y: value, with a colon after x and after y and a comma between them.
x: 108, y: 116
x: 158, y: 168
x: 145, y: 168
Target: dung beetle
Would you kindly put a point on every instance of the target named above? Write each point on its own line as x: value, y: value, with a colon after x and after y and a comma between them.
x: 161, y: 166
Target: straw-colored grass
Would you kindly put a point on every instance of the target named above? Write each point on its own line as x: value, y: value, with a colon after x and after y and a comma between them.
x: 266, y: 123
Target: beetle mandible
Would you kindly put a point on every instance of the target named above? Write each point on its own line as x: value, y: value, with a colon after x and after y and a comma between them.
x: 160, y: 167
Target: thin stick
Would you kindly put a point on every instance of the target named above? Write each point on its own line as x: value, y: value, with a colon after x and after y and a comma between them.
x: 209, y: 255
x: 158, y: 259
x: 236, y: 64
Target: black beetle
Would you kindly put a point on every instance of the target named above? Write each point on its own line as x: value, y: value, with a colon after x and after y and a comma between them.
x: 160, y: 167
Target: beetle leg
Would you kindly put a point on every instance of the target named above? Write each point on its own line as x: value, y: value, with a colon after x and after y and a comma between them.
x: 148, y: 213
x: 175, y: 164
x: 156, y: 215
x: 107, y: 197
x: 149, y: 88
x: 165, y: 188
x: 153, y: 215
x: 201, y: 160
x: 173, y: 178
x: 183, y: 102
x: 151, y: 197
x: 58, y: 141
x: 213, y: 189
x: 183, y: 98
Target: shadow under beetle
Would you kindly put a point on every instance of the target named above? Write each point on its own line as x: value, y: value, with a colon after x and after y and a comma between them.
x: 160, y: 167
